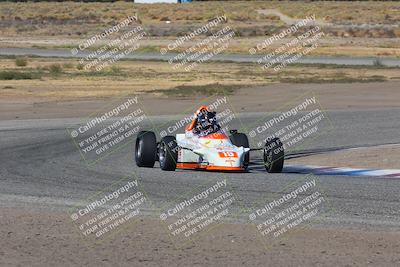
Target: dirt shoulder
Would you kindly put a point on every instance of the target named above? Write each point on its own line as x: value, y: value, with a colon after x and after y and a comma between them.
x: 385, y: 156
x: 48, y: 239
x: 255, y: 99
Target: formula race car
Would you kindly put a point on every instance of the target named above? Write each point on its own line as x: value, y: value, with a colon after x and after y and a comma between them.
x: 204, y: 146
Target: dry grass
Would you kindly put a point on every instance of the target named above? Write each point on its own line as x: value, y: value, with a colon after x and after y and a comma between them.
x: 77, y: 19
x: 159, y: 77
x: 66, y: 25
x: 336, y: 12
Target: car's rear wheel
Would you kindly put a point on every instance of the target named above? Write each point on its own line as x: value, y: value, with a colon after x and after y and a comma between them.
x: 146, y: 149
x: 240, y: 139
x: 274, y: 155
x: 168, y: 153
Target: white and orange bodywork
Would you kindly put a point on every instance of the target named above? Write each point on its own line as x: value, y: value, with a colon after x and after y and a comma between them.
x: 211, y: 152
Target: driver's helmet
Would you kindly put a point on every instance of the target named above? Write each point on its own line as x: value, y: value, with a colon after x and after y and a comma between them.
x: 206, y: 118
x: 206, y: 122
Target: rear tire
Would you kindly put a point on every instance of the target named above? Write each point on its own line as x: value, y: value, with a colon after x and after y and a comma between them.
x: 146, y: 149
x: 240, y: 139
x: 274, y: 156
x: 168, y: 153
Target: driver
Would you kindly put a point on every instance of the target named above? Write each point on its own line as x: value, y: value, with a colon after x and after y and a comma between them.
x: 205, y: 122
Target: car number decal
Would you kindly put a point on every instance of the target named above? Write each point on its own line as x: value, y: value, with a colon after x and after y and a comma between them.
x: 228, y: 154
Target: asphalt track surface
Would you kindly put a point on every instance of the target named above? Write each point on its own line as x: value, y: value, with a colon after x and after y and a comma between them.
x: 41, y: 169
x: 344, y: 60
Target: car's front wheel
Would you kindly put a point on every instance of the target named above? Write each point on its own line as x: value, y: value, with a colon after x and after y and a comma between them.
x: 240, y: 139
x: 274, y: 155
x: 168, y: 153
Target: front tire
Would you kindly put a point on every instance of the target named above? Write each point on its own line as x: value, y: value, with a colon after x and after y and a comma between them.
x: 240, y: 139
x: 168, y: 153
x: 146, y: 149
x: 274, y: 155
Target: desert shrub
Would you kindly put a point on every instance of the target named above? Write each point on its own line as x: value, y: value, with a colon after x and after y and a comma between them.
x: 68, y: 65
x: 114, y: 69
x: 21, y: 62
x: 55, y: 69
x: 17, y: 75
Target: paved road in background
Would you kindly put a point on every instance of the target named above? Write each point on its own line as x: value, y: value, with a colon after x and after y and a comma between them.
x: 344, y: 60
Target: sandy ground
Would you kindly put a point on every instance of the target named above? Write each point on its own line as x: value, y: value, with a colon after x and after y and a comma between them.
x: 385, y: 156
x: 256, y: 99
x: 44, y: 239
